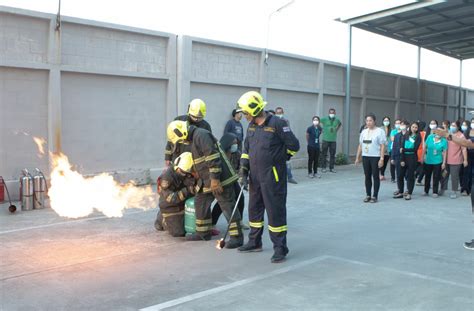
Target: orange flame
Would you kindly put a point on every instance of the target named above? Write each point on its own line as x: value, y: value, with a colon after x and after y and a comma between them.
x: 40, y: 142
x: 73, y: 195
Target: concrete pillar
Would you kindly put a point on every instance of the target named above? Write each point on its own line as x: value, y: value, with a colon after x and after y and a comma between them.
x: 363, y: 93
x: 263, y: 72
x: 54, y: 89
x: 184, y: 62
x: 398, y: 83
x: 171, y: 70
x: 320, y: 84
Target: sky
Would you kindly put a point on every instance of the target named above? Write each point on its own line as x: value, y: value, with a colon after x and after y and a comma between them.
x: 305, y: 27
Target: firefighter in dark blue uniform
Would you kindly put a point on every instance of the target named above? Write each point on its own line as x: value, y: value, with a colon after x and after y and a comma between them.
x: 195, y: 116
x: 268, y: 145
x: 217, y: 178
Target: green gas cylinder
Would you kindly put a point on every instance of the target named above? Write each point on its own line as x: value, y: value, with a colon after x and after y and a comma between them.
x: 189, y: 216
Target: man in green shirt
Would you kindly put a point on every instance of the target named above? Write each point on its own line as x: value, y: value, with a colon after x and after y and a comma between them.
x: 330, y: 125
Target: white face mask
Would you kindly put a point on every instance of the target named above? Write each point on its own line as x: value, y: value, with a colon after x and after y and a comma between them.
x: 403, y: 128
x: 332, y: 115
x: 234, y: 148
x: 464, y: 128
x: 397, y: 126
x: 386, y: 123
x: 279, y: 115
x: 315, y: 122
x: 433, y: 126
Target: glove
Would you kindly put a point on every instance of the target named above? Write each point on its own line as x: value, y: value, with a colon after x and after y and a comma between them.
x: 244, y: 180
x: 216, y: 187
x: 189, y: 181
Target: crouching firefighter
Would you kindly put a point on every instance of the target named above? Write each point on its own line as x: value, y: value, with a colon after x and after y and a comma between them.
x: 268, y: 145
x: 217, y: 176
x: 175, y: 185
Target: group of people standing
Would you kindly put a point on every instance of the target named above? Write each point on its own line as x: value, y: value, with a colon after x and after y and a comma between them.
x: 417, y: 156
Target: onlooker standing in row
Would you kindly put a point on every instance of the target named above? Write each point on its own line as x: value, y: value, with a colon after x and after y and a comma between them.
x: 420, y: 172
x: 394, y: 167
x: 469, y: 135
x: 435, y: 159
x: 331, y: 126
x: 234, y: 126
x: 386, y: 157
x: 397, y: 153
x: 372, y: 148
x: 411, y: 141
x: 281, y: 114
x: 456, y: 157
x: 312, y: 138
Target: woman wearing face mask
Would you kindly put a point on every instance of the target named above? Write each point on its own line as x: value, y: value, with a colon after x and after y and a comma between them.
x: 467, y: 178
x: 229, y: 144
x: 420, y: 172
x: 410, y: 142
x: 386, y: 158
x: 435, y: 159
x: 312, y: 138
x: 372, y: 142
x: 394, y: 151
x: 456, y: 157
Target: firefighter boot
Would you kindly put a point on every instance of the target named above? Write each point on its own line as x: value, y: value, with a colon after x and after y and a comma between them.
x: 235, y: 241
x: 279, y: 254
x: 159, y: 222
x: 250, y: 247
x: 198, y: 237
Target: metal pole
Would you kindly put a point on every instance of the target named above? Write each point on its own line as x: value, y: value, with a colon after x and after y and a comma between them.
x: 460, y: 89
x: 347, y: 104
x: 418, y: 69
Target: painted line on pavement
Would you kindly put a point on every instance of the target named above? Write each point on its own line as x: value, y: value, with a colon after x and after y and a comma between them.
x: 215, y: 290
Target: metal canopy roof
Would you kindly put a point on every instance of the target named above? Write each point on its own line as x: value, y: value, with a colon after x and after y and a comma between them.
x: 443, y: 27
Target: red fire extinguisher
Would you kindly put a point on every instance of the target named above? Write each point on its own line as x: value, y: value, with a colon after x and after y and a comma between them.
x: 3, y: 186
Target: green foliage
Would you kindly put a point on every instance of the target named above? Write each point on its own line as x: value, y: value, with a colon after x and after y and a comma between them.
x: 341, y: 159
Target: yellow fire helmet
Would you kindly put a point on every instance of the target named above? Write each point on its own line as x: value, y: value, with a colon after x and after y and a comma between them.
x: 197, y: 108
x: 184, y: 162
x: 251, y: 103
x: 177, y: 131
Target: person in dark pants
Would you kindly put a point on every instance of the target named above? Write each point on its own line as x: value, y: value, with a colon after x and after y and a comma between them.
x: 269, y: 143
x: 394, y: 161
x: 468, y: 144
x: 195, y: 116
x: 229, y: 144
x: 312, y: 138
x: 331, y: 125
x: 372, y: 142
x: 281, y: 114
x: 217, y: 177
x: 467, y: 183
x: 396, y: 153
x: 175, y: 185
x: 386, y: 158
x: 435, y: 159
x: 235, y: 127
x: 411, y: 141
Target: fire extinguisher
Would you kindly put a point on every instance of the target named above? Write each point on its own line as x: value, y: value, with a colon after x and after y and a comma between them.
x: 3, y: 184
x: 40, y: 189
x: 26, y: 191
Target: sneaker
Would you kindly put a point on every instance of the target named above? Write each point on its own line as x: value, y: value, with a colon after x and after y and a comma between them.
x: 333, y: 171
x: 292, y: 181
x: 405, y: 193
x: 367, y: 199
x: 198, y: 237
x: 435, y: 195
x: 469, y: 245
x: 310, y: 175
x: 464, y: 193
x: 396, y: 192
x: 393, y: 181
x: 250, y: 248
x: 419, y: 183
x: 408, y: 197
x: 453, y: 195
x: 279, y: 255
x: 398, y: 196
x: 317, y: 175
x: 324, y: 170
x: 373, y: 200
x: 234, y: 242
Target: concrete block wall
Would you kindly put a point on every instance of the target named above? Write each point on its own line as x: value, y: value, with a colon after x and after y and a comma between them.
x: 110, y: 91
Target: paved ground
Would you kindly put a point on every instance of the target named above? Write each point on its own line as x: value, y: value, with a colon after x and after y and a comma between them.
x: 344, y: 255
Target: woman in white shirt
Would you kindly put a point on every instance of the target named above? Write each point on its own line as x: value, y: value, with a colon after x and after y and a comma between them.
x: 372, y: 148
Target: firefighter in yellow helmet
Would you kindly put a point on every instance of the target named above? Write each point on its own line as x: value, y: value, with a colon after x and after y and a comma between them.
x: 268, y: 145
x: 216, y: 176
x: 195, y: 116
x: 175, y: 185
